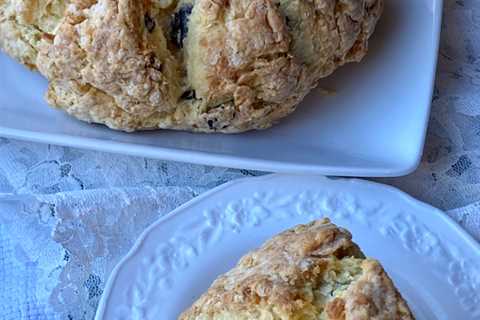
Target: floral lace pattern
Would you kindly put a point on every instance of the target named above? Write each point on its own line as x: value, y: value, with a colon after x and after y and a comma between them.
x: 67, y: 216
x: 81, y: 212
x: 449, y: 176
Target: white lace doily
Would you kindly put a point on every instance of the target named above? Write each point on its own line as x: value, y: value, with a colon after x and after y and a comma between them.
x: 67, y: 215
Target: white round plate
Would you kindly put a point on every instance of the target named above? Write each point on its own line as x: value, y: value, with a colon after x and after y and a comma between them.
x: 433, y: 262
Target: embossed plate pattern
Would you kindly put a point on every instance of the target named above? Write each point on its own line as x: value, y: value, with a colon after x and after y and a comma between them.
x: 434, y: 263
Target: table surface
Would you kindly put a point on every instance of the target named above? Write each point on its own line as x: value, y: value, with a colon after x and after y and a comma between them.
x: 67, y: 215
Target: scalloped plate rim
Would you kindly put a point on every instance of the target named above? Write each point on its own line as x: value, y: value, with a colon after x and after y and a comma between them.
x: 138, y: 243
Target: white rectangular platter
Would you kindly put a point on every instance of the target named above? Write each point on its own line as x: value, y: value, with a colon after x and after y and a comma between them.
x: 374, y: 124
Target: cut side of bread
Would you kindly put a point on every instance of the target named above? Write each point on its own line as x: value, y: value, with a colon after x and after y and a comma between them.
x: 310, y: 272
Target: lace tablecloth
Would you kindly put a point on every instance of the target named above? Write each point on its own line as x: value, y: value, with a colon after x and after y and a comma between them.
x: 67, y: 216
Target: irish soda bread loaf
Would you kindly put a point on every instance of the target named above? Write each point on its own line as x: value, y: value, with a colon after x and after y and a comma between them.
x: 198, y: 65
x: 310, y: 272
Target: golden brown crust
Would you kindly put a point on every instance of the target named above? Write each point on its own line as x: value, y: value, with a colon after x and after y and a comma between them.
x: 373, y: 296
x: 253, y: 71
x: 309, y: 272
x: 242, y: 65
x: 25, y: 23
x: 105, y: 45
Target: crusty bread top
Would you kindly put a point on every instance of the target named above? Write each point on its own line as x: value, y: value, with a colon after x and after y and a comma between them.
x: 275, y: 278
x: 237, y: 64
